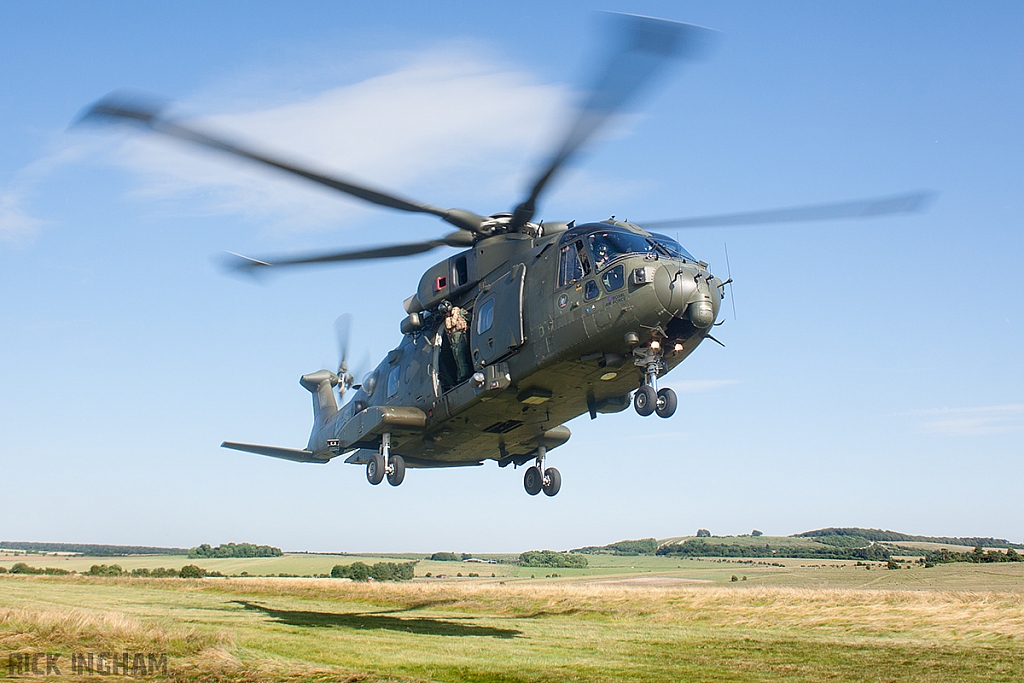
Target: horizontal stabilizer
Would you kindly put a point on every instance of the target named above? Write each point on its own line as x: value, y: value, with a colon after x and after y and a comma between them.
x: 293, y: 454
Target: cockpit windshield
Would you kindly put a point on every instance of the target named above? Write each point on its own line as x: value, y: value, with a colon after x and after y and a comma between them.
x: 605, y: 245
x: 672, y: 247
x: 608, y: 244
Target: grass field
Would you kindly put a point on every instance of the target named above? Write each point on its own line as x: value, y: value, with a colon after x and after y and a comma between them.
x: 800, y: 573
x: 627, y: 618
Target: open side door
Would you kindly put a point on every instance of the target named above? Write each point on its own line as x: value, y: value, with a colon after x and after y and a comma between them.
x: 498, y: 317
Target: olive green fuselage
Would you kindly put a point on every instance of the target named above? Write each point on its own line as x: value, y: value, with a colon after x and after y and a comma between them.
x: 552, y: 349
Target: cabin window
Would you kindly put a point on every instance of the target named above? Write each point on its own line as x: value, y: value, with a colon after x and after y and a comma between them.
x: 485, y: 317
x: 574, y: 264
x: 460, y: 271
x: 613, y: 279
x: 393, y: 381
x: 590, y: 291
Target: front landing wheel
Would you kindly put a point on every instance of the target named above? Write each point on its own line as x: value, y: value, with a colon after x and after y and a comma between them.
x: 533, y: 482
x: 666, y: 403
x: 645, y: 400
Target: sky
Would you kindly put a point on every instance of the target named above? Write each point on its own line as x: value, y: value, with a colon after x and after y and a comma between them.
x: 872, y: 375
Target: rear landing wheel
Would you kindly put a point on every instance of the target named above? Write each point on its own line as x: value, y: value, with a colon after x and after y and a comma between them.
x: 396, y: 470
x: 533, y: 482
x: 645, y: 400
x: 375, y: 469
x: 552, y: 481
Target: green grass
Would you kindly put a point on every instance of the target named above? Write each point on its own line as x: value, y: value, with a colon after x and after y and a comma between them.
x: 624, y: 619
x: 603, y: 568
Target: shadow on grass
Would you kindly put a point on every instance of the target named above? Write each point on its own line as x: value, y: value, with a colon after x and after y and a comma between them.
x: 364, y: 621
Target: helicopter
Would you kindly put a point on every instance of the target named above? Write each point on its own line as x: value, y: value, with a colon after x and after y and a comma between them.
x: 532, y: 323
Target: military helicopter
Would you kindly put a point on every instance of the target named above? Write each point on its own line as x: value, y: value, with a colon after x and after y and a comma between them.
x: 532, y: 323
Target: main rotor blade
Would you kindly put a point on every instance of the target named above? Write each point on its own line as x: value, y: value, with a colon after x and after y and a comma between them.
x: 124, y: 110
x: 645, y: 45
x: 248, y: 264
x: 912, y: 202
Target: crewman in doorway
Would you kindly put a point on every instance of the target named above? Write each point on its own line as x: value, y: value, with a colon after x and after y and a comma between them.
x: 456, y: 324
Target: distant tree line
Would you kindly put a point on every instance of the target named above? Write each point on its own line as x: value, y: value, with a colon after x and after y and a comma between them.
x: 701, y: 548
x: 643, y: 546
x: 379, y: 571
x: 878, y: 535
x: 978, y: 555
x: 22, y: 568
x: 551, y: 558
x: 450, y: 557
x: 189, y: 571
x: 90, y: 549
x: 234, y: 550
x: 158, y: 573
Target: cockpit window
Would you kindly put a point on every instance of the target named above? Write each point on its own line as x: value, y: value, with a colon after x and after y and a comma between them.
x: 574, y: 264
x: 672, y: 247
x: 606, y: 245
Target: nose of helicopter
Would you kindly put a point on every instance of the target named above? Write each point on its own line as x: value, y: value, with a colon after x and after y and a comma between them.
x: 688, y: 291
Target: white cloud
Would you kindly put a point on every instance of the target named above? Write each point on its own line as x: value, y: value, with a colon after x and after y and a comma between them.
x: 446, y: 128
x: 971, y: 421
x: 15, y: 224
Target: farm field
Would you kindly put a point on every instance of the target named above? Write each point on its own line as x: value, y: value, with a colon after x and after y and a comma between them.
x: 781, y: 572
x: 616, y: 621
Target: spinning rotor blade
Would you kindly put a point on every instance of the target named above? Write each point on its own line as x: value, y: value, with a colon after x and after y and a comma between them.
x: 645, y: 46
x: 347, y: 379
x: 341, y: 329
x: 911, y: 202
x: 248, y: 264
x: 113, y: 108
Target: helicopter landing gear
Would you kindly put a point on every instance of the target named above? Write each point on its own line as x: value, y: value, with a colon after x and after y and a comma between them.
x: 396, y: 470
x: 645, y: 400
x: 549, y: 482
x: 648, y: 399
x: 552, y: 481
x: 666, y: 406
x: 375, y: 469
x: 383, y: 464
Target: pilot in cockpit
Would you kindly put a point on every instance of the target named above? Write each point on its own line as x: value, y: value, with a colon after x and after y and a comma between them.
x: 602, y: 254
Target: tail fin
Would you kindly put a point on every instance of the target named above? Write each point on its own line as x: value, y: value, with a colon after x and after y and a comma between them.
x: 321, y: 384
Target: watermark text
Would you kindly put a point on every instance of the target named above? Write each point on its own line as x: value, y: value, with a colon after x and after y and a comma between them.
x: 135, y: 664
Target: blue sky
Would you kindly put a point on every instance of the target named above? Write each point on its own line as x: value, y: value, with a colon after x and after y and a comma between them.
x: 873, y: 376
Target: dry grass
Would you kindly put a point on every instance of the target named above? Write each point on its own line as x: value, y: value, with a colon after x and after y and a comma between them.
x: 264, y: 630
x: 196, y: 655
x: 23, y: 629
x: 938, y: 613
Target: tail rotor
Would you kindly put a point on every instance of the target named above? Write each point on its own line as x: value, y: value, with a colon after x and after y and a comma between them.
x: 346, y: 380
